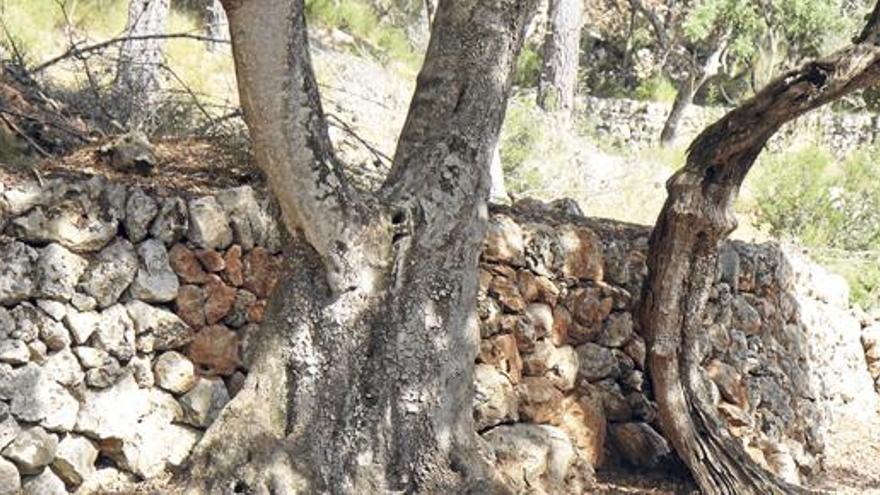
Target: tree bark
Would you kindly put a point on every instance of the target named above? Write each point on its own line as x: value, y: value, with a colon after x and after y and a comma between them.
x: 137, y: 71
x: 362, y: 381
x: 697, y: 217
x: 216, y: 25
x: 558, y: 81
x: 688, y: 88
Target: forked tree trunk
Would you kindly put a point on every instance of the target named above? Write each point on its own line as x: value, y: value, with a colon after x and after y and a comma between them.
x: 362, y: 381
x: 687, y: 89
x: 137, y: 71
x: 558, y: 81
x: 697, y: 217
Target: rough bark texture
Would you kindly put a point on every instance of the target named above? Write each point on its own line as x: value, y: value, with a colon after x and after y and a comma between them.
x: 365, y: 364
x: 688, y: 88
x: 137, y: 72
x: 558, y: 81
x: 216, y: 25
x: 698, y: 214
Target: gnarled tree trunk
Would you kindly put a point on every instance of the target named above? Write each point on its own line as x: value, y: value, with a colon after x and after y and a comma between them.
x: 558, y: 82
x: 697, y: 217
x: 362, y: 381
x: 137, y: 71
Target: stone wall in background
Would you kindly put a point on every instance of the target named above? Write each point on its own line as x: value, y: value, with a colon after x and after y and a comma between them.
x: 125, y: 317
x: 561, y: 379
x: 637, y: 124
x: 124, y: 322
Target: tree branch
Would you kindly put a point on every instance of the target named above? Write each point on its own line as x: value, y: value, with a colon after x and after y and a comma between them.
x: 78, y: 51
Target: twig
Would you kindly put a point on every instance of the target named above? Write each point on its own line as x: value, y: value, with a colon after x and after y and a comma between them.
x: 189, y: 91
x: 61, y: 127
x: 75, y: 51
x: 24, y: 135
x: 348, y: 129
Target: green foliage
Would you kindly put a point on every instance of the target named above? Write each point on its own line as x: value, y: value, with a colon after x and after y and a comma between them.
x: 658, y: 88
x: 358, y: 18
x: 528, y: 66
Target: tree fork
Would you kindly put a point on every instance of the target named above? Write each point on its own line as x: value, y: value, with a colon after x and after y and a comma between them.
x: 696, y: 218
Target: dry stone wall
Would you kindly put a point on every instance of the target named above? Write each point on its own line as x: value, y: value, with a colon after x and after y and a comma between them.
x: 125, y: 317
x: 638, y: 124
x: 562, y: 356
x: 124, y: 323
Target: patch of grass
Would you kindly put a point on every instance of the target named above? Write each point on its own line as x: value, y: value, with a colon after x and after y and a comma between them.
x: 528, y: 66
x: 360, y: 20
x: 658, y: 88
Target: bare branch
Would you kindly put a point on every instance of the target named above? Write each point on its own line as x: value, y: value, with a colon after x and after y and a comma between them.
x: 78, y: 51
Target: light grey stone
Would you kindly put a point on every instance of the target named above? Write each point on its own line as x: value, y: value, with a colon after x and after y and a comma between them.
x: 54, y: 309
x: 172, y: 221
x: 142, y: 371
x: 140, y: 210
x: 32, y: 449
x: 38, y: 350
x: 7, y: 323
x: 64, y: 368
x: 53, y: 333
x: 104, y: 375
x: 17, y: 265
x: 57, y: 272
x: 35, y: 397
x: 45, y: 483
x: 495, y: 400
x: 158, y: 329
x: 251, y: 223
x: 155, y: 280
x: 203, y: 403
x: 595, y: 362
x: 116, y: 333
x: 91, y: 357
x: 14, y: 351
x: 617, y: 330
x: 76, y: 225
x: 83, y: 302
x: 10, y: 481
x: 209, y: 226
x: 75, y: 459
x: 110, y: 273
x: 82, y: 325
x: 8, y: 429
x: 27, y: 322
x: 537, y: 458
x: 174, y: 372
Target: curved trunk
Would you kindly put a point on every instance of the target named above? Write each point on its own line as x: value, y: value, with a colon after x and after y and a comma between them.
x: 137, y: 72
x: 363, y: 377
x: 558, y: 82
x: 687, y: 89
x: 697, y: 216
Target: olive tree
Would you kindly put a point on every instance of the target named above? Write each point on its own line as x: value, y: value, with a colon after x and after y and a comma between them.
x: 362, y: 381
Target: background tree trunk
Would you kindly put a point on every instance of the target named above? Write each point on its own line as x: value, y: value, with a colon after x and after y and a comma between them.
x: 137, y: 72
x: 559, y: 74
x: 216, y: 25
x: 364, y: 365
x: 687, y: 89
x: 697, y: 217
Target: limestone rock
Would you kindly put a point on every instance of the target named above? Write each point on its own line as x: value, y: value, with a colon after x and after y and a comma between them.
x: 53, y: 333
x: 539, y: 400
x: 583, y: 419
x: 116, y: 333
x: 251, y: 224
x: 219, y: 299
x: 580, y: 252
x: 140, y: 210
x: 56, y: 310
x: 174, y: 373
x: 242, y: 309
x: 531, y: 458
x: 172, y: 221
x: 104, y: 375
x: 203, y: 403
x: 82, y: 325
x: 209, y: 226
x: 75, y: 459
x: 501, y: 352
x: 190, y: 305
x: 261, y: 272
x: 557, y: 364
x: 617, y: 330
x: 35, y: 397
x: 91, y: 357
x: 32, y: 449
x: 142, y: 372
x: 215, y: 351
x: 186, y: 265
x: 155, y: 280
x: 27, y: 322
x: 158, y: 329
x: 14, y: 351
x: 495, y: 400
x: 17, y: 264
x: 639, y: 444
x: 57, y: 272
x: 211, y: 260
x: 67, y: 224
x: 596, y: 362
x: 45, y: 483
x: 110, y: 273
x: 504, y: 241
x: 63, y: 367
x: 10, y: 481
x: 8, y: 429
